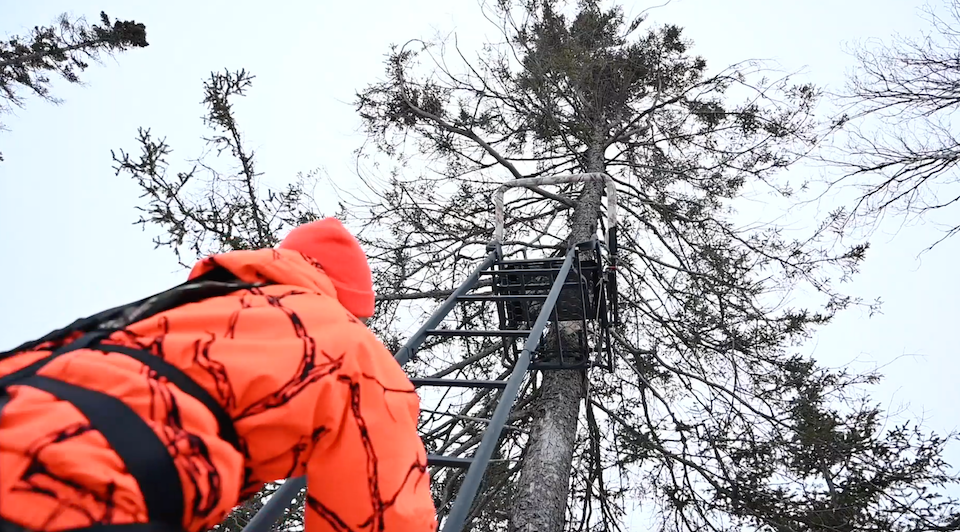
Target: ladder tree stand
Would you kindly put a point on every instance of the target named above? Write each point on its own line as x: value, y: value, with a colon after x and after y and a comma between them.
x: 577, y: 287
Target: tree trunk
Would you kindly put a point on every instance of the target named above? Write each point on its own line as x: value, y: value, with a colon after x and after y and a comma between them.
x: 545, y: 473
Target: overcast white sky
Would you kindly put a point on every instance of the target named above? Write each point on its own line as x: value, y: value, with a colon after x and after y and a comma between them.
x: 66, y: 236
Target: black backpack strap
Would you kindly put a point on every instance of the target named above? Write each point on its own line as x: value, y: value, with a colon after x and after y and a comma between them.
x: 178, y: 378
x: 80, y: 343
x: 129, y: 527
x: 144, y: 455
x: 4, y: 399
x: 216, y: 282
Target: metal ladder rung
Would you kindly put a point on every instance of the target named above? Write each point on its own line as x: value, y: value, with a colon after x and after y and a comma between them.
x: 537, y: 271
x: 440, y: 460
x: 537, y: 286
x: 498, y: 297
x: 473, y: 332
x: 462, y: 383
x: 448, y: 461
x: 558, y: 260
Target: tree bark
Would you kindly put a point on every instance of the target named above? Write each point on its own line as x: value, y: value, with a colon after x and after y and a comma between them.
x: 544, y: 483
x: 545, y: 474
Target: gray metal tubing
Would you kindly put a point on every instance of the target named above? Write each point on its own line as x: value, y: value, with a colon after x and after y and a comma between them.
x: 274, y: 508
x: 468, y: 490
x: 404, y: 353
x: 498, y: 220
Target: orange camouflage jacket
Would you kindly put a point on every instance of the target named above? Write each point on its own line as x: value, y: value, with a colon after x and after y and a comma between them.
x: 282, y: 381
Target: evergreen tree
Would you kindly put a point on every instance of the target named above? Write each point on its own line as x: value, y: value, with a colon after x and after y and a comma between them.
x: 709, y: 418
x: 708, y: 405
x: 218, y: 205
x: 64, y: 49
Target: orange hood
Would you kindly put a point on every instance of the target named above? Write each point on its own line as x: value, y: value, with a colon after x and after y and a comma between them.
x: 278, y: 266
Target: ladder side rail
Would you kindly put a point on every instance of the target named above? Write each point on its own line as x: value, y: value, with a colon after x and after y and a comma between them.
x: 612, y: 297
x: 471, y: 483
x: 273, y: 509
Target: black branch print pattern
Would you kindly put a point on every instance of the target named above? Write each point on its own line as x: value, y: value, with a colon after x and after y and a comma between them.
x: 40, y: 479
x: 216, y: 370
x: 309, y: 371
x: 378, y: 503
x: 189, y: 451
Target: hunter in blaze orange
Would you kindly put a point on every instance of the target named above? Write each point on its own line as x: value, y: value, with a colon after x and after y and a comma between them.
x: 165, y: 414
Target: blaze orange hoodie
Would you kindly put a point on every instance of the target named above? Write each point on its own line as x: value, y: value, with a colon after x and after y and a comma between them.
x: 309, y: 389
